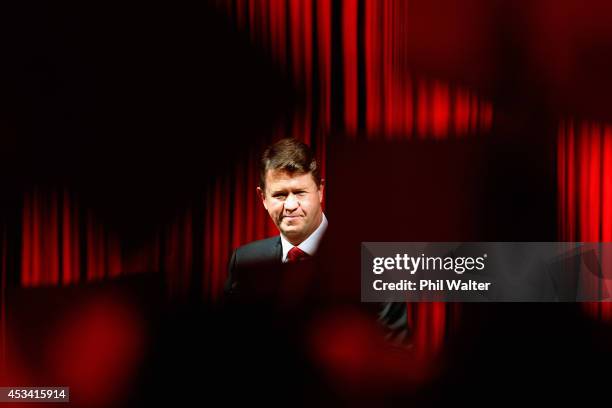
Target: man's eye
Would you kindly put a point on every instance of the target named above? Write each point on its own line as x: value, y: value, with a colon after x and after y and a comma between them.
x: 280, y: 196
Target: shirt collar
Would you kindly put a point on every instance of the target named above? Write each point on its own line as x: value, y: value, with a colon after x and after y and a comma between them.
x: 310, y: 244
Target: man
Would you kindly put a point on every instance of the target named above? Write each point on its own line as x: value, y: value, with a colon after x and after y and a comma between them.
x: 291, y: 190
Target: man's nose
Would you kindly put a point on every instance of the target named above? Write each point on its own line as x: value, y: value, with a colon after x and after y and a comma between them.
x: 291, y: 203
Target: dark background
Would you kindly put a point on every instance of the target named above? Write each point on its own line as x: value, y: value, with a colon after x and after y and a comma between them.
x: 134, y: 105
x: 138, y: 106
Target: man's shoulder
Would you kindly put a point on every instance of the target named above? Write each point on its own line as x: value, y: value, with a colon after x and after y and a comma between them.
x: 259, y: 245
x: 263, y: 249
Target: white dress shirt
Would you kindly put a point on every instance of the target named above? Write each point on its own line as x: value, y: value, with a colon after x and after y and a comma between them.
x: 310, y: 244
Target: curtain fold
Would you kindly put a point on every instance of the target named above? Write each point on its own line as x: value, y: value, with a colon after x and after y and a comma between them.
x: 62, y: 243
x: 584, y: 168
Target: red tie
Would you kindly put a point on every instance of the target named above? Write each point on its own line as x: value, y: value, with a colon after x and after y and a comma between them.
x: 296, y: 254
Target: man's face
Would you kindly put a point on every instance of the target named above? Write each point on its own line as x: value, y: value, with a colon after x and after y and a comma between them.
x: 293, y: 200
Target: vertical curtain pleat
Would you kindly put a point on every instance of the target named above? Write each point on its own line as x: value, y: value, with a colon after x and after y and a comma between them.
x: 51, y: 238
x: 584, y: 164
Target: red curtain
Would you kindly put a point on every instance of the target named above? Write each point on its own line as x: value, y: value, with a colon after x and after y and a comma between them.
x: 375, y: 73
x: 584, y: 166
x: 63, y: 244
x: 400, y: 103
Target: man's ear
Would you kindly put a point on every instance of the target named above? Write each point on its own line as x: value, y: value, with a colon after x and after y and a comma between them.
x: 262, y: 196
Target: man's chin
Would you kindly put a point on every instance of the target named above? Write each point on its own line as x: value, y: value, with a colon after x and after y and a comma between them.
x: 290, y: 232
x: 293, y: 226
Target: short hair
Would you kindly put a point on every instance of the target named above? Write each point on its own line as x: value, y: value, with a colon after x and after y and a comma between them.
x: 289, y: 155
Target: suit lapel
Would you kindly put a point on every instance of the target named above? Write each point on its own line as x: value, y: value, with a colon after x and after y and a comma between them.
x: 277, y: 250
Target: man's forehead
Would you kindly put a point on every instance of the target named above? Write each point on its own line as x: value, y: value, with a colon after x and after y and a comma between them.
x: 286, y: 178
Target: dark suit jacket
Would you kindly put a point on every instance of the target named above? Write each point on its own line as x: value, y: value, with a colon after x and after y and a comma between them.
x: 256, y: 273
x: 259, y: 259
